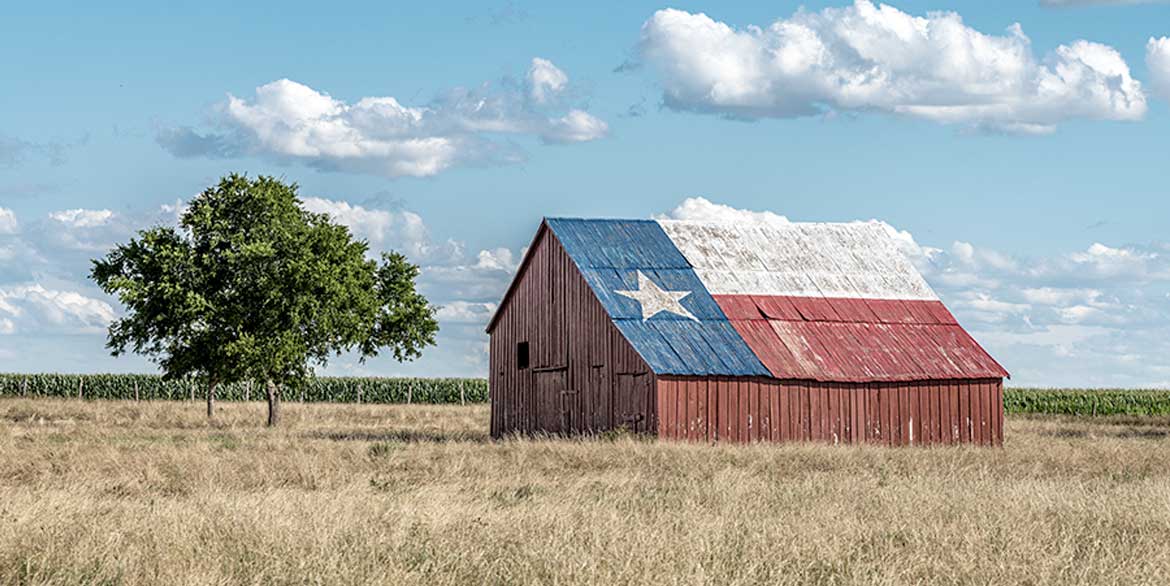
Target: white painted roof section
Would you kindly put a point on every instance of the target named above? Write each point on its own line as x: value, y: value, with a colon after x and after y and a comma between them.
x: 854, y: 260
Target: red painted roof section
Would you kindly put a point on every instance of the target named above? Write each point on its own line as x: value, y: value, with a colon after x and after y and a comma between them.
x: 857, y: 340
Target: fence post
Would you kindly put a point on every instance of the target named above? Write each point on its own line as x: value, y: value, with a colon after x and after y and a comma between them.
x: 80, y: 386
x: 135, y: 389
x: 462, y: 396
x: 359, y: 394
x: 191, y: 387
x: 409, y: 391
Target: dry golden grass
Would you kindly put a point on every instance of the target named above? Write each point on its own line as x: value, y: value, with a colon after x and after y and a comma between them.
x: 127, y: 493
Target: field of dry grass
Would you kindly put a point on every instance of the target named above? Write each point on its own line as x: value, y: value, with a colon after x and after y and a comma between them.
x: 129, y: 493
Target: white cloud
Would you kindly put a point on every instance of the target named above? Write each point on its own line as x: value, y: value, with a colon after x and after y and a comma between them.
x: 1057, y: 296
x: 576, y: 126
x: 995, y: 308
x: 702, y: 209
x: 545, y: 80
x: 8, y: 222
x: 33, y: 308
x: 466, y: 312
x: 399, y: 230
x: 82, y: 218
x: 497, y: 259
x: 86, y: 230
x: 1158, y: 63
x: 869, y: 57
x: 290, y: 121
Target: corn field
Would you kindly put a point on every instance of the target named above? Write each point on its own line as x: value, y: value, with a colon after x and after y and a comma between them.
x: 1087, y: 401
x: 150, y: 387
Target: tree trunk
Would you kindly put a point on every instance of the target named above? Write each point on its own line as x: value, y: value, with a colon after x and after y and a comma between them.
x: 273, y: 404
x: 211, y: 400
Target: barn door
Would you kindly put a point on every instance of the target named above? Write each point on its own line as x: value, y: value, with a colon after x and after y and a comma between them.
x: 568, y: 406
x: 631, y: 401
x: 550, y: 401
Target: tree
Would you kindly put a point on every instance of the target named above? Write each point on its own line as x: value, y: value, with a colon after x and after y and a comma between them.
x: 251, y: 286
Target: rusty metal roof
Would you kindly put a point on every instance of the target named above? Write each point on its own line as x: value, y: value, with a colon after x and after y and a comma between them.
x: 826, y: 302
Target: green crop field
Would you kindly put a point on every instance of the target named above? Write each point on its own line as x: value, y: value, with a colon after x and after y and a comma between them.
x: 1087, y: 401
x: 149, y: 387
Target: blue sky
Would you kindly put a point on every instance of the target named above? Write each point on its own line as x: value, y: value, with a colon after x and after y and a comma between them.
x: 1026, y: 169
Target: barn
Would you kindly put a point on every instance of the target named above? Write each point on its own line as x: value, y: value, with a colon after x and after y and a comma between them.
x: 735, y: 332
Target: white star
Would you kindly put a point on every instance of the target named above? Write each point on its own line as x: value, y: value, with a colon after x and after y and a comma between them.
x: 654, y: 300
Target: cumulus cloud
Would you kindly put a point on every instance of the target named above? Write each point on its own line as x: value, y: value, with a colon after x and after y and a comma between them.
x: 496, y: 259
x: 290, y: 121
x: 398, y: 230
x: 466, y: 312
x: 82, y: 218
x: 703, y: 209
x: 33, y: 308
x: 576, y: 126
x: 64, y: 233
x: 869, y: 57
x: 1097, y: 316
x: 1158, y: 63
x: 545, y: 80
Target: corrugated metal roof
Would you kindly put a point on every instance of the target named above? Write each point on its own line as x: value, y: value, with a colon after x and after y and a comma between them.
x: 853, y: 340
x: 857, y: 259
x: 611, y: 253
x: 826, y: 302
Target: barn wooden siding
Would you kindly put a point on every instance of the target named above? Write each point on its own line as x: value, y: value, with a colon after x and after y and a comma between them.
x: 583, y: 375
x: 898, y: 414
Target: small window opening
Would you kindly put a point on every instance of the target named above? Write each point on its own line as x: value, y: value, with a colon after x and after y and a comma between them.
x: 522, y: 355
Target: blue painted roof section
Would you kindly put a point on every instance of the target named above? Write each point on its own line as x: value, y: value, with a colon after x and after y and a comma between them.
x: 618, y: 244
x: 605, y: 281
x: 610, y: 253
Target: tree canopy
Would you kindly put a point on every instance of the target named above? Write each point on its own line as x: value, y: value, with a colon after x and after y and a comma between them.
x: 251, y: 286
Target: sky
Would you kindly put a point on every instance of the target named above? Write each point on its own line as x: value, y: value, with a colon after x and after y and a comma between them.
x: 1018, y: 148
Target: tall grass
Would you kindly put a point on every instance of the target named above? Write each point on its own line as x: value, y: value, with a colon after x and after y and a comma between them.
x: 150, y: 493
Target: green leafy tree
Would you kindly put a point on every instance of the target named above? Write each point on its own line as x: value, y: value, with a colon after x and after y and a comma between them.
x: 251, y: 286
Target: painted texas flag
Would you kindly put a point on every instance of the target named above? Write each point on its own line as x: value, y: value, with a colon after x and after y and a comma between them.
x: 826, y: 302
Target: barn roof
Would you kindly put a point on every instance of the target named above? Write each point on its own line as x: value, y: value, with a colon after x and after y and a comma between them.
x: 825, y: 302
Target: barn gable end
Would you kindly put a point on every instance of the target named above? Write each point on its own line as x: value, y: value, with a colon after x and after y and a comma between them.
x: 582, y: 375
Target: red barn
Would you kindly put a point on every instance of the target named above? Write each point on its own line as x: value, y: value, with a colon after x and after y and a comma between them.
x: 735, y: 332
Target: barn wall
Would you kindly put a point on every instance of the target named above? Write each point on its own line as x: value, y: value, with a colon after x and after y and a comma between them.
x: 583, y: 375
x: 908, y: 413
